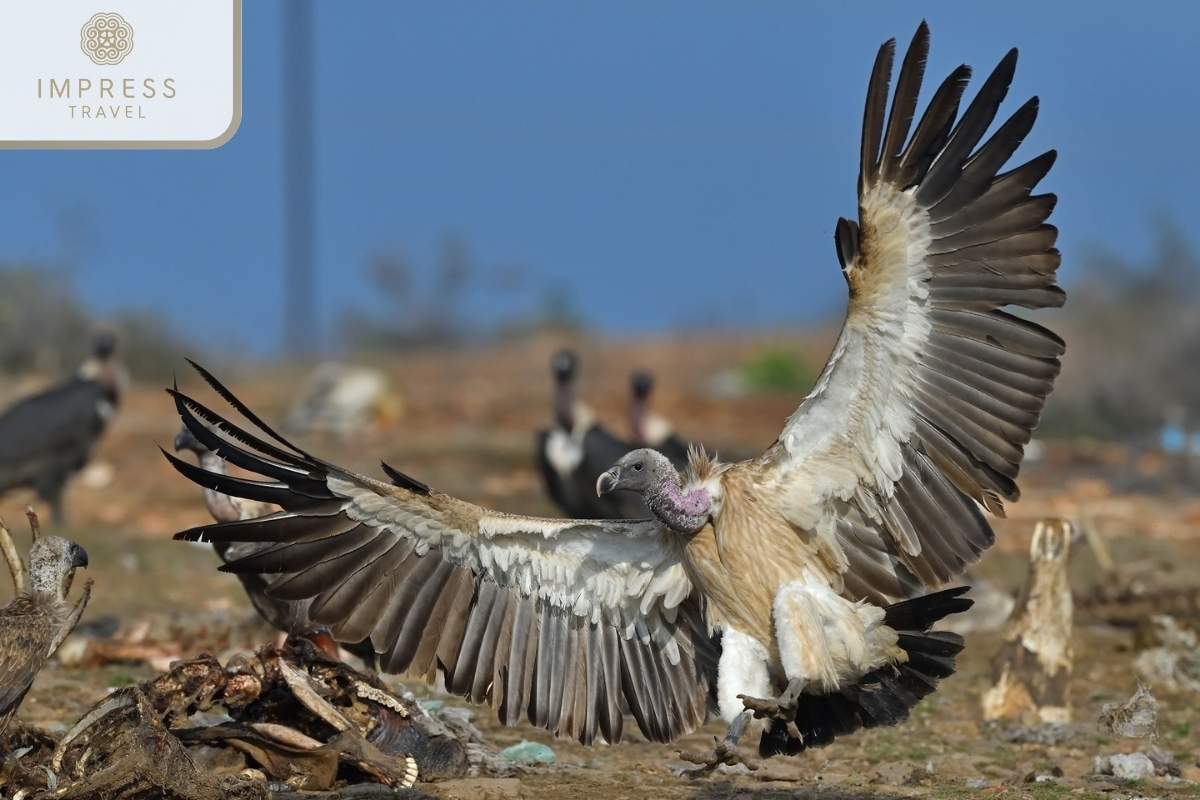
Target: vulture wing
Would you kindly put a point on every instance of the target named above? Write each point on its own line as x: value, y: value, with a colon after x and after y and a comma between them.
x: 931, y: 391
x: 559, y: 618
x: 57, y: 427
x: 26, y: 634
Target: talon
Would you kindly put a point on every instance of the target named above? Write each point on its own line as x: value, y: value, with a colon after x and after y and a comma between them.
x: 782, y: 708
x: 722, y: 753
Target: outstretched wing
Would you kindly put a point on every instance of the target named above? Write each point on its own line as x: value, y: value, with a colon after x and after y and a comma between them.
x: 557, y: 617
x: 932, y: 391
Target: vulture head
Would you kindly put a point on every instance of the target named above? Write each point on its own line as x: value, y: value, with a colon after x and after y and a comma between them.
x: 52, y: 563
x: 642, y: 383
x: 104, y: 367
x: 652, y: 475
x: 565, y: 365
x: 104, y: 344
x: 186, y: 440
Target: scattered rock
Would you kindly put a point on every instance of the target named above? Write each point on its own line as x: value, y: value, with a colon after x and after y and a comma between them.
x: 1051, y: 734
x: 527, y: 752
x: 1136, y: 718
x: 1175, y: 665
x: 1128, y: 767
x: 1164, y: 762
x: 959, y: 766
x: 899, y: 773
x: 97, y: 475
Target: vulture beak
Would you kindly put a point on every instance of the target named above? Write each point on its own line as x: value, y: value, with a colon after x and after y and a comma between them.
x: 78, y: 557
x: 607, y: 481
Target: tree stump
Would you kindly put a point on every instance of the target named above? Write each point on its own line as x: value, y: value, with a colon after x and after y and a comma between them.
x: 1032, y: 671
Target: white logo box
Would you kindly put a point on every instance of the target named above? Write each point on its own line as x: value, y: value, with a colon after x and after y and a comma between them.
x: 120, y: 73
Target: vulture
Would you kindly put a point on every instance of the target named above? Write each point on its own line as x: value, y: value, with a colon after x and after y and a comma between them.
x: 791, y: 593
x: 650, y: 429
x: 47, y: 438
x: 573, y: 453
x: 38, y: 618
x: 289, y: 616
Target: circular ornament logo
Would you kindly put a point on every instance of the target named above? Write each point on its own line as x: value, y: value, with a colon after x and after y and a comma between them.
x: 106, y: 38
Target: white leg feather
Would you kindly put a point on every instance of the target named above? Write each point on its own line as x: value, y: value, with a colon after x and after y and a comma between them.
x: 742, y: 670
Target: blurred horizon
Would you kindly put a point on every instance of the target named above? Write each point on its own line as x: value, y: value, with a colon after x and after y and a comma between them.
x: 635, y: 169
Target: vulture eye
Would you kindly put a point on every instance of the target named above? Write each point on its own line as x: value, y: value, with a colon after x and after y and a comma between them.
x: 637, y: 467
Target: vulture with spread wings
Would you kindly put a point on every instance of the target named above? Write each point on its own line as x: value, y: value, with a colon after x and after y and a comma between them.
x: 790, y: 587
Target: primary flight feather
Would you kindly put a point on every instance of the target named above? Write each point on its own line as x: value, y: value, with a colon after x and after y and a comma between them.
x: 791, y: 586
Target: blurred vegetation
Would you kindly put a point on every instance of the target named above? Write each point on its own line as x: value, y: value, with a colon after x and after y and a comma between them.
x: 1133, y: 344
x: 777, y: 369
x: 46, y: 328
x: 417, y: 312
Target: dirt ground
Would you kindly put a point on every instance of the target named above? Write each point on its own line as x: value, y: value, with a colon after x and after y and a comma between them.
x: 467, y: 428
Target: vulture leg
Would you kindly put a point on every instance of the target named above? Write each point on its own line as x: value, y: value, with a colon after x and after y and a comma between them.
x: 16, y: 567
x: 782, y: 708
x: 725, y: 752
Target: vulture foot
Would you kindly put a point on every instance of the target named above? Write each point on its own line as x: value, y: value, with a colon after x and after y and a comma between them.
x: 709, y: 760
x: 782, y: 708
x: 725, y: 751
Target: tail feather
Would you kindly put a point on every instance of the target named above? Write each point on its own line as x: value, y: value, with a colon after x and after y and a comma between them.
x: 884, y: 696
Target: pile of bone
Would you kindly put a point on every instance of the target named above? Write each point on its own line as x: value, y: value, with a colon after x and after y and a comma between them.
x: 282, y: 720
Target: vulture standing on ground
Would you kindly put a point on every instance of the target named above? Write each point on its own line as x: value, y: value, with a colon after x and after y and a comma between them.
x: 790, y: 586
x: 574, y: 453
x: 651, y: 429
x: 47, y: 438
x: 37, y: 620
x: 289, y: 616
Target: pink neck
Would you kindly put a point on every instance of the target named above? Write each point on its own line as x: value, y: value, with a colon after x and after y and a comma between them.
x: 694, y: 503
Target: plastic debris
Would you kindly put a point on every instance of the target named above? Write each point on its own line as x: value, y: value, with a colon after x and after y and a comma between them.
x: 529, y: 753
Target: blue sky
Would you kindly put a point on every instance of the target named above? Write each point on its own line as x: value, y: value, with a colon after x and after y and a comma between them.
x: 670, y: 163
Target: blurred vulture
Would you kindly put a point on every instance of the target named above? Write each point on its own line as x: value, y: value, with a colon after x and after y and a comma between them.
x: 47, y: 438
x: 573, y: 454
x: 790, y: 587
x: 651, y: 429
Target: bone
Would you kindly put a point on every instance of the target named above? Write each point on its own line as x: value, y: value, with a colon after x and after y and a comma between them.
x: 16, y: 567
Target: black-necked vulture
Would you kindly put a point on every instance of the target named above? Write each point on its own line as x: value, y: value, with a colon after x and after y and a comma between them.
x: 573, y: 454
x: 48, y: 437
x: 650, y: 429
x: 37, y: 620
x: 792, y: 586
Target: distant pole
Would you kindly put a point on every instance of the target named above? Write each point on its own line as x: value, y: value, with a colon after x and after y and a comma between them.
x: 299, y: 151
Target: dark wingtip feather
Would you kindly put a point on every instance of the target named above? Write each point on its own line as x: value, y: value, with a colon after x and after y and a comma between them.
x: 920, y: 613
x: 874, y: 115
x: 404, y: 481
x: 241, y: 407
x: 904, y: 102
